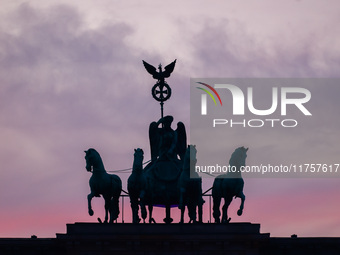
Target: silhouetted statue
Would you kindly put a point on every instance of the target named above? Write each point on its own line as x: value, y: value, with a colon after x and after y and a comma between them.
x: 167, y: 150
x: 229, y: 185
x: 166, y: 143
x: 161, y: 91
x: 160, y: 75
x: 190, y: 187
x: 136, y: 186
x: 162, y: 173
x: 102, y: 183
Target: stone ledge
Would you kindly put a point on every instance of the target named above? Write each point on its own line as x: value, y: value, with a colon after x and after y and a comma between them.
x: 97, y: 229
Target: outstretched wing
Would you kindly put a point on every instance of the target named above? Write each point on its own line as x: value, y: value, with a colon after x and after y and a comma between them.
x: 151, y: 69
x: 181, y: 140
x: 169, y: 69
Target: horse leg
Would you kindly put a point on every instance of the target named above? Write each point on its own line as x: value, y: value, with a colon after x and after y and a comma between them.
x: 114, y: 212
x: 89, y: 198
x: 216, y: 208
x: 181, y: 204
x: 151, y: 220
x: 181, y: 198
x: 182, y: 214
x: 143, y: 211
x: 227, y: 201
x: 134, y: 208
x: 200, y: 213
x: 107, y: 208
x: 192, y: 212
x: 200, y: 202
x: 142, y: 205
x: 243, y: 197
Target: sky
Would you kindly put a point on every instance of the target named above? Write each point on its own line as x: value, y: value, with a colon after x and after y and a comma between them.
x: 71, y: 78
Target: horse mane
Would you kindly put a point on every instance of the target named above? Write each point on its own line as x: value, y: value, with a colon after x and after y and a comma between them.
x: 238, y: 157
x: 95, y: 156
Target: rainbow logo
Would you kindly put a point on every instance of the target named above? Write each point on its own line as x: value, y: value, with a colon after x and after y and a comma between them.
x: 209, y: 93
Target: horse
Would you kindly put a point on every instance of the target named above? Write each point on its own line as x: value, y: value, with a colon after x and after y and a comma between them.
x: 102, y: 183
x: 136, y: 186
x: 229, y: 185
x: 190, y: 187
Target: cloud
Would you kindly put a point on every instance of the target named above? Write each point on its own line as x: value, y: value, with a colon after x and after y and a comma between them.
x: 65, y: 88
x: 225, y: 48
x: 59, y: 75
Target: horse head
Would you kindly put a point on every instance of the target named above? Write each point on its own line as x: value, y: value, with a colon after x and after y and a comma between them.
x: 138, y: 159
x: 139, y: 154
x: 190, y: 157
x: 91, y: 157
x: 238, y: 158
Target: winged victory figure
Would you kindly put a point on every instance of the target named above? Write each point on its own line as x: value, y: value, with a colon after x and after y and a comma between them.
x: 165, y: 142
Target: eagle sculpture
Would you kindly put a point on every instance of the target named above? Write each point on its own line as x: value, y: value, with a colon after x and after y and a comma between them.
x: 160, y: 75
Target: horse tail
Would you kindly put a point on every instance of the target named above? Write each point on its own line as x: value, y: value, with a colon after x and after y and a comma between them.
x: 116, y: 186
